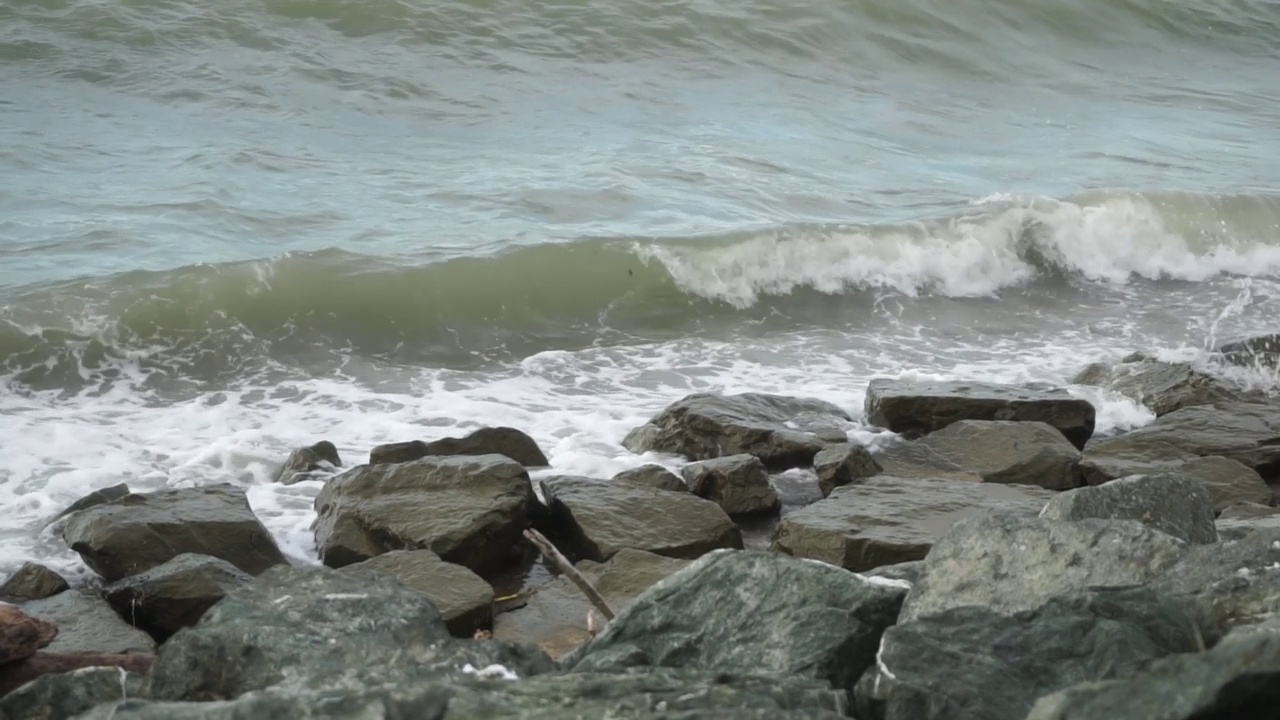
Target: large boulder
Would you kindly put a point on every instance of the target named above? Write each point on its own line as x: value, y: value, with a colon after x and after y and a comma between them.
x: 97, y: 497
x: 654, y: 476
x: 507, y: 441
x: 998, y: 451
x: 62, y: 696
x: 600, y: 518
x: 22, y: 635
x: 737, y: 483
x: 32, y: 581
x: 1010, y: 562
x: 139, y: 531
x: 468, y: 509
x: 87, y: 624
x: 784, y: 432
x: 1228, y: 481
x: 314, y: 462
x: 972, y: 663
x: 844, y: 464
x: 1261, y: 351
x: 918, y: 408
x: 750, y: 612
x: 464, y: 600
x: 1161, y: 386
x: 555, y: 617
x: 1178, y: 505
x: 888, y: 520
x: 169, y: 597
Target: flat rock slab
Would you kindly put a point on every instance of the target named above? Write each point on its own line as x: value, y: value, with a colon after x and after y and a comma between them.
x: 1228, y: 481
x: 32, y: 581
x: 844, y: 464
x: 750, y: 612
x: 22, y: 635
x: 139, y: 531
x: 784, y: 432
x: 464, y: 600
x: 918, y: 408
x: 997, y: 451
x: 602, y: 518
x: 87, y: 624
x: 739, y: 484
x: 507, y: 441
x: 1175, y: 504
x: 555, y: 618
x: 888, y: 520
x: 169, y: 597
x: 654, y: 476
x: 468, y: 509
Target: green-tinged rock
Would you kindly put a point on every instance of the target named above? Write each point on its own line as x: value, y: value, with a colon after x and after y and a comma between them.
x: 1175, y: 504
x: 32, y: 581
x: 750, y: 612
x: 464, y: 600
x: 739, y: 484
x: 655, y: 476
x: 316, y: 462
x: 506, y: 441
x: 63, y: 696
x: 1227, y: 480
x: 169, y: 597
x: 997, y: 451
x: 844, y: 464
x: 468, y: 509
x: 87, y: 624
x: 972, y: 663
x: 887, y: 520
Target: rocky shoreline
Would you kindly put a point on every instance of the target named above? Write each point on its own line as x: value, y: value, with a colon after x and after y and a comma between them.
x: 999, y: 562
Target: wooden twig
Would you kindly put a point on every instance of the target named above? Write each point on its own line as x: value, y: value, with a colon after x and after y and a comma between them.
x: 562, y: 564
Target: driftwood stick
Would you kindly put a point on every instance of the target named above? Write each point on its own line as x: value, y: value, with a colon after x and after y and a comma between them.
x: 562, y: 564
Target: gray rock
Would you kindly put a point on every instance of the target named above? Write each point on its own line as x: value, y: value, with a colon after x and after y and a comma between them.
x: 972, y: 663
x: 888, y: 520
x: 32, y: 581
x: 1162, y: 386
x: 1239, y: 679
x: 142, y: 530
x: 844, y: 464
x: 918, y: 408
x: 1227, y: 480
x: 174, y: 595
x: 1009, y: 562
x: 87, y: 624
x: 63, y: 696
x: 654, y: 476
x: 750, y: 612
x: 97, y: 497
x: 904, y: 572
x: 309, y: 463
x: 556, y: 615
x: 600, y: 518
x: 1262, y: 351
x: 1247, y: 511
x: 314, y: 628
x: 737, y: 483
x: 1177, y: 505
x: 998, y: 451
x: 468, y: 509
x: 464, y: 600
x: 784, y: 432
x: 507, y: 441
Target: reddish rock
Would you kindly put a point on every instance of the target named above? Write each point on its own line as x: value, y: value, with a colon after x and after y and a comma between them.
x: 16, y: 674
x: 22, y: 635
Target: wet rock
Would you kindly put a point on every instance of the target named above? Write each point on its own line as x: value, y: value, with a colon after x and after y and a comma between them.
x: 309, y: 463
x: 87, y: 624
x: 972, y: 663
x: 14, y: 676
x: 507, y: 441
x: 464, y: 600
x: 555, y: 617
x: 1177, y: 505
x: 22, y: 635
x: 998, y: 451
x: 750, y: 612
x: 64, y: 695
x: 32, y: 581
x: 843, y: 464
x: 654, y: 476
x: 142, y: 530
x: 919, y: 408
x: 904, y: 572
x: 1010, y: 562
x: 888, y: 520
x: 600, y: 518
x: 1262, y: 351
x: 784, y: 432
x: 1227, y: 480
x: 468, y: 509
x: 97, y: 497
x: 737, y: 483
x: 169, y: 597
x: 1162, y: 386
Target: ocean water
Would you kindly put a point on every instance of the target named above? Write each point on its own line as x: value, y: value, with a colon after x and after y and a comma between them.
x: 229, y: 229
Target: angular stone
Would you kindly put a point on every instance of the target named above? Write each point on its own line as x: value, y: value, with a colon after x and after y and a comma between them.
x: 22, y: 635
x: 654, y: 476
x: 919, y: 408
x: 1227, y: 480
x: 1177, y: 505
x: 169, y: 597
x: 506, y: 441
x: 1162, y: 386
x: 309, y: 463
x: 998, y: 451
x: 756, y: 612
x: 843, y: 464
x: 1262, y: 351
x: 87, y: 624
x: 32, y: 582
x: 888, y: 520
x: 468, y: 509
x: 1009, y: 562
x: 62, y: 696
x: 737, y: 483
x: 142, y: 530
x: 784, y: 432
x: 602, y: 518
x: 556, y: 615
x: 1247, y: 511
x: 464, y: 600
x: 972, y: 663
x: 15, y: 675
x: 97, y: 497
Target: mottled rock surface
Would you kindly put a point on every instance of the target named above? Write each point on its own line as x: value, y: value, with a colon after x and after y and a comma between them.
x: 61, y: 696
x: 1175, y: 504
x: 87, y: 624
x: 32, y: 581
x: 739, y: 484
x: 844, y: 464
x: 997, y: 451
x: 22, y: 635
x: 464, y: 600
x: 169, y: 597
